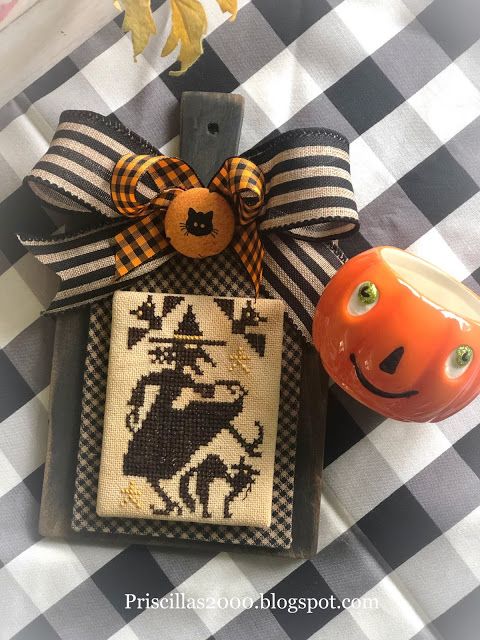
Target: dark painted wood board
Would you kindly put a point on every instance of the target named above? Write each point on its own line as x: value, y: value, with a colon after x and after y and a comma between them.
x: 210, y: 125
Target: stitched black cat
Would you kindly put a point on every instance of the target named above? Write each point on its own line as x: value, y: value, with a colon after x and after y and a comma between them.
x: 213, y: 467
x: 199, y: 223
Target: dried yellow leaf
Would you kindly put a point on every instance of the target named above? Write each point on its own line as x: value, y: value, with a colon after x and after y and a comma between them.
x: 139, y: 20
x: 189, y: 25
x: 229, y: 6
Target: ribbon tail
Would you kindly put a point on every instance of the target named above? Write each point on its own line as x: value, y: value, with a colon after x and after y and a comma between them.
x: 85, y: 264
x: 140, y: 242
x: 297, y: 271
x: 249, y: 248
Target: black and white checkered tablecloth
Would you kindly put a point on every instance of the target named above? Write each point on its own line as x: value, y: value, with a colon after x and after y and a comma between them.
x: 400, y: 518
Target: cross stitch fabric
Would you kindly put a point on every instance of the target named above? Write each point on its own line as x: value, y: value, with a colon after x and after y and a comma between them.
x: 221, y: 275
x: 192, y: 408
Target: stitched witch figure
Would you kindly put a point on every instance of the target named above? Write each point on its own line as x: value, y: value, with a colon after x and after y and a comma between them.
x: 169, y: 436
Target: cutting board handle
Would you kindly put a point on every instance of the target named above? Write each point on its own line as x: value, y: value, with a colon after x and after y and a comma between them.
x: 210, y: 126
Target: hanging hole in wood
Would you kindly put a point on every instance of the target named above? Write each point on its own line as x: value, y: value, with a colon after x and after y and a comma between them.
x: 213, y: 128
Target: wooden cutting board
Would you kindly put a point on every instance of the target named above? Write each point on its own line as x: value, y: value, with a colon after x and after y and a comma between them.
x: 210, y: 132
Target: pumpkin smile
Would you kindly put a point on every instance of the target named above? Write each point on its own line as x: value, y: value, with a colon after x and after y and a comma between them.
x: 373, y: 389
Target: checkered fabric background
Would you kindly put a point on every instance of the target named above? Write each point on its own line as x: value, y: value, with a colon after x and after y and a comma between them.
x: 400, y: 518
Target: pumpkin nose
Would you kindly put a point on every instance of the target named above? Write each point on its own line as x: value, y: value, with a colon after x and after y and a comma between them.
x: 391, y: 362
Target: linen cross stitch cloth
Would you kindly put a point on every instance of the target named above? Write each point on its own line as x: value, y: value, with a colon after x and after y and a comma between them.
x: 203, y: 448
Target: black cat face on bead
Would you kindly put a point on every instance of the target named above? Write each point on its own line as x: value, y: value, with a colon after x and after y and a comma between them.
x: 199, y: 223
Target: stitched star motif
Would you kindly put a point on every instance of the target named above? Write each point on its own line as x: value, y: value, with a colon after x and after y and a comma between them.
x: 131, y: 494
x: 240, y: 359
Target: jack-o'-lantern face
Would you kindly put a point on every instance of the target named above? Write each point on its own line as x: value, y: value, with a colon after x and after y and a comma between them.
x: 400, y: 336
x: 199, y: 223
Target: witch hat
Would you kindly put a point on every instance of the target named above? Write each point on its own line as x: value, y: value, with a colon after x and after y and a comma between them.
x: 188, y: 327
x: 188, y: 332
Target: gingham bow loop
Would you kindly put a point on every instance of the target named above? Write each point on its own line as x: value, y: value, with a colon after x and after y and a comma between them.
x: 290, y: 196
x: 244, y: 180
x: 145, y: 238
x: 168, y: 174
x: 238, y: 180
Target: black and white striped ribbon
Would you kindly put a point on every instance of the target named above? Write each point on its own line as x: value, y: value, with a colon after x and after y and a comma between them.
x: 309, y: 200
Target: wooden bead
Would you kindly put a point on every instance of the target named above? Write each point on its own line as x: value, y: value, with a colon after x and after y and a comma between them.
x: 199, y: 223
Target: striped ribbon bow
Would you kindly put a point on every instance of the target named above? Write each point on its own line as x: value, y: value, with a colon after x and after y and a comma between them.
x: 238, y: 180
x: 299, y: 190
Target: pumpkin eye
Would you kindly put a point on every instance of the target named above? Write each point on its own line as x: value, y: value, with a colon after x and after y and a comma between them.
x: 463, y: 355
x: 367, y: 293
x: 458, y: 361
x: 364, y: 298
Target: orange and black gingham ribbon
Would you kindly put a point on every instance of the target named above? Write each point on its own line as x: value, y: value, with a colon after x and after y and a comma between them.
x: 239, y: 180
x: 145, y: 237
x: 244, y: 181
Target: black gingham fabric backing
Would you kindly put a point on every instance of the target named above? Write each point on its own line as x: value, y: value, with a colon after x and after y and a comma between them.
x: 220, y: 275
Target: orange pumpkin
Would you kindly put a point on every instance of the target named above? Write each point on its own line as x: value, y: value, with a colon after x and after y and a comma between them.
x: 400, y: 336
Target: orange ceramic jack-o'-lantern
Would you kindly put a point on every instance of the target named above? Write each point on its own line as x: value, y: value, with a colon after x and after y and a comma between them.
x: 400, y: 335
x: 199, y: 223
